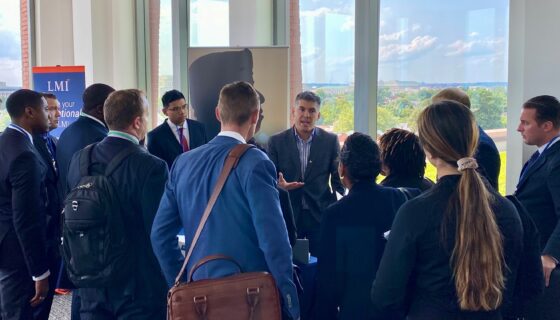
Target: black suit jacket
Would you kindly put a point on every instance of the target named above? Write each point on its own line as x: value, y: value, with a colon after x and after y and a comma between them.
x: 54, y: 200
x: 351, y: 247
x: 322, y: 168
x: 81, y: 133
x: 488, y: 158
x: 415, y: 277
x: 22, y: 204
x: 140, y: 194
x: 163, y: 144
x: 539, y: 192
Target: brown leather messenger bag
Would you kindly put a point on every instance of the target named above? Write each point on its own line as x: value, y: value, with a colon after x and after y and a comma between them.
x: 243, y: 296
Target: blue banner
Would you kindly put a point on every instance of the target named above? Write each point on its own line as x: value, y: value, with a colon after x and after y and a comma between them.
x: 68, y: 85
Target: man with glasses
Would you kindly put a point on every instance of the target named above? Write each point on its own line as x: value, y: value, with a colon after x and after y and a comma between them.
x: 176, y: 134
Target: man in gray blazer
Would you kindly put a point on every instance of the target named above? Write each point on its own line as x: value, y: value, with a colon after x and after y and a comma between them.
x: 306, y: 158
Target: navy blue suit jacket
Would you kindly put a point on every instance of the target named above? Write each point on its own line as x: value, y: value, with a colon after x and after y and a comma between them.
x: 163, y: 144
x: 488, y: 158
x: 246, y: 222
x: 539, y: 192
x: 22, y: 204
x: 350, y: 250
x: 54, y: 200
x: 81, y: 133
x: 140, y: 195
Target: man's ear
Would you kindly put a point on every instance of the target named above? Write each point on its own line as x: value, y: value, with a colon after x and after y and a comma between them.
x: 217, y: 112
x: 29, y: 112
x: 318, y: 115
x: 164, y: 110
x: 99, y: 110
x: 137, y: 123
x: 547, y: 126
x: 255, y: 116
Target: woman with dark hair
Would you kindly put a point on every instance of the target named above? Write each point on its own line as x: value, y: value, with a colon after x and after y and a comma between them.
x: 352, y: 229
x: 403, y: 160
x: 453, y: 252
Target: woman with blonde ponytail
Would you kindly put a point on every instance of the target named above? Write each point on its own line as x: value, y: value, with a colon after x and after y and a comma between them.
x: 452, y: 252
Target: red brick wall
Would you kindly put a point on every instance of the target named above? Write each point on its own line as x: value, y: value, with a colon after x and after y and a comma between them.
x: 154, y: 9
x: 25, y: 50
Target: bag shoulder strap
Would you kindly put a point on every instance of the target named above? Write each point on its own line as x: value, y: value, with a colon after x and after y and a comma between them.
x: 85, y: 160
x: 118, y: 159
x: 231, y: 162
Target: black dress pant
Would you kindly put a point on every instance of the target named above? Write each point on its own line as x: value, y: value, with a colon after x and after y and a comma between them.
x: 114, y: 303
x: 16, y: 290
x: 308, y: 227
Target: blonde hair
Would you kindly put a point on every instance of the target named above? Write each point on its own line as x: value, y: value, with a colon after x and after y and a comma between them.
x: 449, y: 132
x: 453, y: 94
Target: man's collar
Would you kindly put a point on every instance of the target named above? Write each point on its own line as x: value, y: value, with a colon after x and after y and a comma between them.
x: 124, y: 135
x: 232, y: 134
x: 549, y: 144
x: 174, y: 126
x: 14, y: 126
x: 83, y: 114
x: 310, y: 137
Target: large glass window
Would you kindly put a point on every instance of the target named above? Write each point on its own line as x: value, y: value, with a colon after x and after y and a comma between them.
x: 10, y: 54
x: 165, y: 53
x: 430, y: 45
x: 327, y: 57
x: 209, y: 23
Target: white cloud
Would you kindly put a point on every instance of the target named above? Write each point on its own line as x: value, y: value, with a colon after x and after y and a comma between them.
x: 382, y: 23
x: 317, y: 12
x: 473, y: 34
x: 475, y: 47
x: 349, y: 24
x: 415, y: 27
x: 10, y: 72
x: 406, y: 51
x: 393, y: 36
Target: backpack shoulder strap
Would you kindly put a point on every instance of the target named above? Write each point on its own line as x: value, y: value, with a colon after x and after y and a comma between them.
x: 85, y: 160
x: 118, y: 159
x: 231, y: 162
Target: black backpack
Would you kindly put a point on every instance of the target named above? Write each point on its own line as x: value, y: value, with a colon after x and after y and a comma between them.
x: 95, y: 246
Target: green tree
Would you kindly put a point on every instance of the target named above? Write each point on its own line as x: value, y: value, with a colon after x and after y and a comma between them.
x: 488, y: 106
x: 4, y: 119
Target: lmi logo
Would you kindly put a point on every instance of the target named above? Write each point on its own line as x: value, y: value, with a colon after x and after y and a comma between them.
x: 58, y: 86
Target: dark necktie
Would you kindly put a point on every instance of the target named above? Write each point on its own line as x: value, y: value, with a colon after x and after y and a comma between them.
x: 48, y: 144
x: 183, y: 141
x: 529, y: 163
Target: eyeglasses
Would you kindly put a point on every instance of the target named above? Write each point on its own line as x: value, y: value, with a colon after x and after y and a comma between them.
x: 178, y: 108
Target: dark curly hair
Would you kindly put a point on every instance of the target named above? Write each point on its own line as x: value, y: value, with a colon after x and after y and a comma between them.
x: 402, y: 153
x: 360, y: 155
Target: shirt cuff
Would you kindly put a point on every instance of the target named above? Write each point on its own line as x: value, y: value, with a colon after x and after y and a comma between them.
x: 43, y: 276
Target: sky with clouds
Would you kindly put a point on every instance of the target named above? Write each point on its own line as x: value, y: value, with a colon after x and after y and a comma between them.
x: 10, y: 43
x: 431, y: 41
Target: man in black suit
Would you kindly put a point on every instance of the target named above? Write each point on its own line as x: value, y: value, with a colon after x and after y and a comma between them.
x: 24, y: 270
x: 176, y: 134
x: 307, y: 156
x: 46, y: 146
x: 89, y: 128
x: 139, y: 181
x: 487, y: 154
x: 539, y: 185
